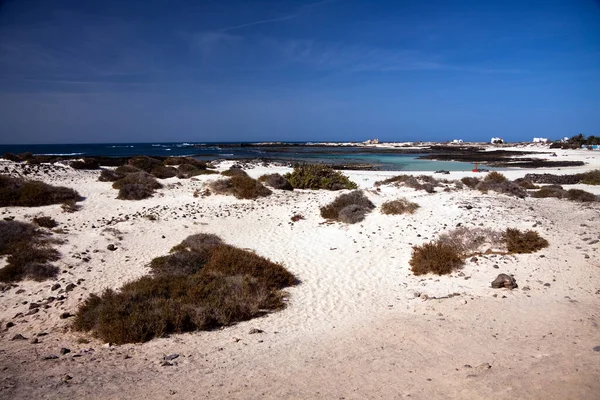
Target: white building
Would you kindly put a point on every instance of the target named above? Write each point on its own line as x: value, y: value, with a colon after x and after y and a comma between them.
x: 457, y: 141
x: 541, y: 140
x: 497, y: 140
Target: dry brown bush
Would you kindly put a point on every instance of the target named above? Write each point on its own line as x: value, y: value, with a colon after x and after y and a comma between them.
x: 24, y: 193
x: 242, y: 187
x: 400, y: 206
x: 45, y: 222
x: 435, y: 257
x: 348, y: 207
x: 524, y: 242
x: 276, y: 181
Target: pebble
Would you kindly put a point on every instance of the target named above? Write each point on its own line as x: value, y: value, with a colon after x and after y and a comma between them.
x: 18, y: 336
x: 171, y: 357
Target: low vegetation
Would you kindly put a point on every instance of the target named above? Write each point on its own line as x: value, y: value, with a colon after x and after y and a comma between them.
x: 242, y: 187
x: 144, y: 163
x: 349, y: 208
x: 318, y: 176
x: 435, y: 257
x: 497, y: 182
x: 29, y: 253
x: 400, y: 206
x: 163, y: 172
x: 421, y: 182
x: 448, y: 252
x: 202, y: 284
x: 234, y: 171
x: 29, y: 193
x: 85, y: 163
x: 587, y: 178
x: 524, y: 242
x: 136, y: 186
x: 45, y: 222
x: 276, y: 181
x: 558, y: 192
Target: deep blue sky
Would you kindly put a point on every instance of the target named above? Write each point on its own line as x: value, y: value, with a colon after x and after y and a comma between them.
x: 167, y: 70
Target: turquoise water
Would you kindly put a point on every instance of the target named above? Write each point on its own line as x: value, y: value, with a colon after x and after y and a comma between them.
x: 382, y: 158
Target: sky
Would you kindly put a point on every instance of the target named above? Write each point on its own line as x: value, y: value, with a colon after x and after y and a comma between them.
x: 92, y: 71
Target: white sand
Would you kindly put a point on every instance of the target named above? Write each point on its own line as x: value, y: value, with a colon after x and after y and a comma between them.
x: 354, y: 328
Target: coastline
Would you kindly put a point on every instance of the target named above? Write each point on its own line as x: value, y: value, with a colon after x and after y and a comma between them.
x: 358, y: 326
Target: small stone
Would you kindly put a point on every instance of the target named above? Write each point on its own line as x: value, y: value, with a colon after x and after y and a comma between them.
x: 597, y: 348
x: 255, y: 330
x: 474, y: 259
x: 64, y: 351
x: 496, y: 266
x: 33, y: 305
x: 171, y: 357
x: 50, y: 357
x: 484, y: 366
x: 166, y: 364
x: 10, y: 325
x: 111, y: 247
x: 18, y: 336
x: 70, y: 287
x: 66, y: 378
x: 526, y: 288
x: 547, y: 284
x: 34, y: 341
x: 65, y: 315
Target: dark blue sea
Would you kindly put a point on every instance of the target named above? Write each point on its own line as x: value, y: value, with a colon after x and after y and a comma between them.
x: 299, y: 152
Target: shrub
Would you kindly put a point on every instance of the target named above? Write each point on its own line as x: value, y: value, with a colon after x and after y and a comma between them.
x: 591, y: 177
x: 162, y: 172
x: 189, y: 290
x: 126, y: 169
x: 505, y: 187
x: 394, y: 179
x: 70, y: 206
x: 234, y: 171
x: 495, y: 177
x: 45, y: 222
x: 400, y: 206
x: 185, y: 160
x: 108, y: 175
x: 297, y: 217
x: 525, y: 184
x: 276, y: 181
x: 134, y: 191
x: 523, y: 242
x: 85, y: 163
x: 317, y: 176
x: 13, y: 233
x: 140, y: 178
x: 550, y: 191
x: 11, y: 157
x: 435, y: 257
x: 468, y: 241
x: 19, y: 192
x: 349, y: 207
x: 189, y: 170
x: 580, y: 195
x: 144, y: 163
x: 242, y: 187
x: 470, y: 181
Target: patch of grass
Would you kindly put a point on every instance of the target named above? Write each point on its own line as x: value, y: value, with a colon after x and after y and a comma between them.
x: 242, y: 187
x: 20, y: 192
x: 421, y: 182
x: 162, y: 172
x: 85, y: 163
x: 525, y: 184
x: 188, y: 290
x: 144, y: 163
x: 524, y: 242
x: 394, y: 179
x: 580, y: 195
x: 400, y: 206
x: 435, y: 257
x: 502, y: 186
x: 276, y: 181
x: 349, y: 208
x: 318, y: 176
x: 45, y: 222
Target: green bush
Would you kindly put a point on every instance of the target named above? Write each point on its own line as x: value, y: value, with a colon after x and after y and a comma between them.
x: 400, y: 206
x: 202, y: 284
x: 318, y: 176
x: 435, y: 257
x: 580, y: 195
x: 591, y: 177
x: 524, y: 242
x: 19, y: 192
x: 349, y: 208
x: 550, y: 191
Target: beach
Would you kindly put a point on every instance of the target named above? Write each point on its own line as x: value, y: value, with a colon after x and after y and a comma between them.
x: 359, y: 325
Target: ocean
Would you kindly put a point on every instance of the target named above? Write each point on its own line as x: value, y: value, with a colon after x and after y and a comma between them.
x: 383, y: 159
